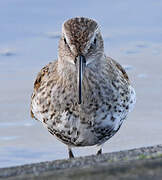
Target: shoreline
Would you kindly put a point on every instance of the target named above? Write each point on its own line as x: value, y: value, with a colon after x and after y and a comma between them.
x: 143, y: 162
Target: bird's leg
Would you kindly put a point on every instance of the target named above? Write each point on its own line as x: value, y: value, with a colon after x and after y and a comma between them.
x: 70, y: 153
x: 100, y: 150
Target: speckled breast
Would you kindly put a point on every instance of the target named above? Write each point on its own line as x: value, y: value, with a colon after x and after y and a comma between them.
x: 98, y: 118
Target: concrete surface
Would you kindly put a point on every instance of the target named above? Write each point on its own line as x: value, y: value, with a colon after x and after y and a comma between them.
x: 136, y: 164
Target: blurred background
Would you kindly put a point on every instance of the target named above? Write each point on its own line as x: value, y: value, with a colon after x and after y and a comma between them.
x: 29, y: 34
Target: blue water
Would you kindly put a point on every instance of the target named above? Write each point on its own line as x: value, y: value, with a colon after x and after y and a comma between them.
x: 29, y: 34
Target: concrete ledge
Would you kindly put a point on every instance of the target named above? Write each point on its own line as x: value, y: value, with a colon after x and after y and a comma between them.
x: 142, y: 163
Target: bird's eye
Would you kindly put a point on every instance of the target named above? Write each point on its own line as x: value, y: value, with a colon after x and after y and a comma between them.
x: 95, y: 40
x: 93, y: 44
x: 65, y: 41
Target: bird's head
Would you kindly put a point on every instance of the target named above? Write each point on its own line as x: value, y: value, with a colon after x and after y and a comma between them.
x: 80, y: 37
x: 81, y: 44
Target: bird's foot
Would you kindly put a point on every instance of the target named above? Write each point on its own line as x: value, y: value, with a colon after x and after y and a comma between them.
x: 99, y: 152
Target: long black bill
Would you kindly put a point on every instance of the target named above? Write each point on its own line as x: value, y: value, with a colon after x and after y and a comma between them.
x: 81, y: 67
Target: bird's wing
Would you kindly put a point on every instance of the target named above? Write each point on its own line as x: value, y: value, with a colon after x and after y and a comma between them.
x: 41, y: 77
x: 120, y: 68
x: 132, y: 100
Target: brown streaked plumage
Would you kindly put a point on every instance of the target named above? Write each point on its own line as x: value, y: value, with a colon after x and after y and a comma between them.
x: 83, y: 97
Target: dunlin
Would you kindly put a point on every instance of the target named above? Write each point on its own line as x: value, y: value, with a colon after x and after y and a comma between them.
x: 83, y: 97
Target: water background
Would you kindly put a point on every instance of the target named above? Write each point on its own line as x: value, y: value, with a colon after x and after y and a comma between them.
x: 29, y: 33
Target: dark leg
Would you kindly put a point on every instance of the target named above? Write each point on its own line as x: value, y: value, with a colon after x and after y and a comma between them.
x: 99, y: 151
x: 70, y: 153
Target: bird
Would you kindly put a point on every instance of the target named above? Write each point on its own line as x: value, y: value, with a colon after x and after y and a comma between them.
x: 83, y: 96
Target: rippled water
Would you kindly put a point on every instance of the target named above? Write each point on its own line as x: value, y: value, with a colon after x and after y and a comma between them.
x: 30, y: 30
